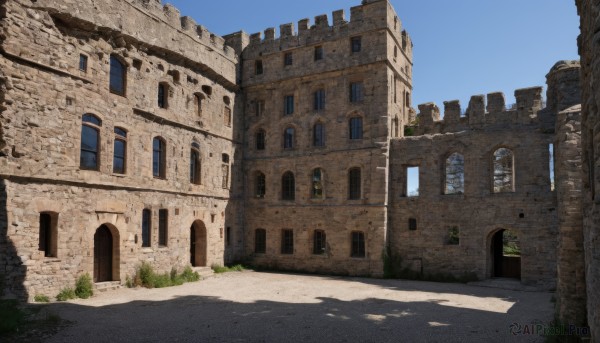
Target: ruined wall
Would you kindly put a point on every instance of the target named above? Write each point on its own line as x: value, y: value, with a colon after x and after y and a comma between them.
x: 454, y: 230
x: 589, y: 50
x: 377, y: 68
x: 46, y: 96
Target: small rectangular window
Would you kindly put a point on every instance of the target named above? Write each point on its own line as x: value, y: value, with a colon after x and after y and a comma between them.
x: 318, y: 53
x: 287, y: 242
x: 83, y: 63
x: 319, y: 242
x: 146, y: 227
x: 260, y: 241
x: 288, y: 105
x: 48, y: 234
x: 319, y: 100
x: 163, y: 227
x: 288, y: 59
x: 412, y: 181
x: 355, y: 128
x: 358, y: 244
x: 356, y: 92
x: 412, y: 224
x: 258, y: 67
x: 355, y: 42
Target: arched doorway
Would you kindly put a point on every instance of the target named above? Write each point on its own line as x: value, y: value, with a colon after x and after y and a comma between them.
x: 506, y: 254
x: 103, y: 254
x: 198, y: 244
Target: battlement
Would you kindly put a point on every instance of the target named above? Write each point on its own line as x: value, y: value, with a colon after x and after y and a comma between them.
x: 481, y: 113
x: 370, y: 15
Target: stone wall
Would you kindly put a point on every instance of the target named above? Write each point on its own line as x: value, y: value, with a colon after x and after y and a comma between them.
x: 589, y: 49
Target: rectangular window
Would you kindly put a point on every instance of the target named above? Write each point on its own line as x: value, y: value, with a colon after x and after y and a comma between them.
x: 287, y: 242
x: 288, y: 105
x: 258, y: 67
x: 83, y: 63
x: 163, y: 228
x: 227, y: 116
x: 288, y: 59
x: 319, y: 100
x: 319, y: 242
x: 354, y: 184
x: 356, y: 92
x: 358, y: 244
x: 551, y: 166
x: 412, y: 224
x: 48, y: 232
x: 119, y: 151
x: 318, y: 135
x: 260, y: 241
x: 318, y: 53
x: 146, y: 226
x: 355, y: 128
x: 225, y: 183
x: 412, y: 181
x: 355, y: 43
x: 259, y: 107
x: 228, y: 236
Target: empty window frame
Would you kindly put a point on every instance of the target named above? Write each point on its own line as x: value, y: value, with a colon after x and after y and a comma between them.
x: 354, y: 184
x: 146, y: 227
x: 163, y: 95
x: 288, y: 138
x: 120, y: 151
x: 288, y: 186
x: 318, y: 135
x: 356, y: 44
x: 195, y: 164
x: 287, y: 241
x: 225, y: 171
x: 118, y: 76
x: 199, y: 98
x: 159, y: 157
x: 258, y: 67
x: 358, y: 244
x: 163, y: 227
x: 355, y: 128
x: 260, y: 241
x: 318, y: 53
x: 319, y: 100
x: 288, y: 59
x: 227, y: 116
x: 412, y: 224
x: 288, y: 105
x: 48, y: 234
x: 260, y: 139
x: 319, y: 242
x: 412, y: 181
x: 89, y: 157
x: 503, y: 171
x: 356, y: 92
x: 83, y: 63
x: 260, y: 185
x: 317, y: 184
x: 455, y: 174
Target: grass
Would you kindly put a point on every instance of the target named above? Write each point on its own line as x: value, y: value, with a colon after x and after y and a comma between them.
x: 224, y: 269
x: 40, y: 298
x: 83, y: 287
x: 65, y: 294
x: 146, y: 277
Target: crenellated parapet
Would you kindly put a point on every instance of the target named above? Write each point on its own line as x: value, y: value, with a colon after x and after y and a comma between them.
x: 483, y: 111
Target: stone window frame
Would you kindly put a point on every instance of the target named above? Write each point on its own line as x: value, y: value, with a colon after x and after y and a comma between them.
x: 146, y: 228
x: 288, y: 59
x: 260, y: 241
x: 161, y: 173
x: 493, y: 160
x: 260, y: 184
x: 355, y: 44
x: 319, y: 242
x: 260, y: 139
x: 287, y: 241
x: 91, y: 121
x: 355, y: 186
x: 120, y: 136
x: 48, y: 234
x: 446, y: 172
x: 116, y: 60
x: 319, y: 53
x: 358, y: 246
x: 288, y: 186
x: 163, y: 227
x: 195, y: 164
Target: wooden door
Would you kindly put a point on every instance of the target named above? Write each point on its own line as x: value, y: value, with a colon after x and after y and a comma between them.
x: 103, y: 254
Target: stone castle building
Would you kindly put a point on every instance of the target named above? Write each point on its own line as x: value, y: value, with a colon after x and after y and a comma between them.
x: 131, y: 134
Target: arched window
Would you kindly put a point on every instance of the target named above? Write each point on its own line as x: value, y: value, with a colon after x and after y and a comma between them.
x: 355, y: 126
x: 318, y: 135
x: 260, y: 139
x: 163, y: 95
x: 354, y: 184
x: 317, y: 184
x: 89, y: 157
x: 120, y: 151
x: 288, y: 186
x: 118, y: 76
x: 455, y: 174
x: 195, y: 164
x: 503, y: 161
x: 288, y: 138
x: 260, y: 185
x: 159, y: 157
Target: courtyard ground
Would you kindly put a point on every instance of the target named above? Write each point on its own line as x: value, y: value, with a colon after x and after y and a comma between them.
x: 269, y: 307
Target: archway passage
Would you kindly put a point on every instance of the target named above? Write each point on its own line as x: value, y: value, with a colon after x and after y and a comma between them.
x: 506, y: 255
x: 103, y: 255
x: 198, y: 244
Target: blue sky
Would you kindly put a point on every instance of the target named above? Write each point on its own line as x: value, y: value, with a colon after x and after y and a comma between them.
x: 462, y: 47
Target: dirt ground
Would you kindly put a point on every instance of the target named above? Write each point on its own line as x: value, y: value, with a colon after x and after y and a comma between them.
x: 268, y: 307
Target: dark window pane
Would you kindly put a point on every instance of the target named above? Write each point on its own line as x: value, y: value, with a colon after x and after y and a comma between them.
x: 117, y: 76
x: 287, y: 242
x: 158, y: 158
x: 317, y: 184
x: 288, y: 138
x: 356, y: 92
x: 119, y: 156
x: 358, y: 244
x: 260, y: 241
x: 89, y: 148
x: 356, y: 130
x: 319, y: 242
x: 83, y: 61
x: 92, y: 119
x: 318, y: 53
x: 162, y: 101
x: 356, y: 44
x: 45, y: 243
x: 259, y: 67
x: 319, y: 135
x: 354, y: 184
x: 289, y: 104
x: 146, y: 221
x: 163, y: 216
x: 261, y: 185
x: 288, y: 186
x: 319, y: 100
x: 260, y: 140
